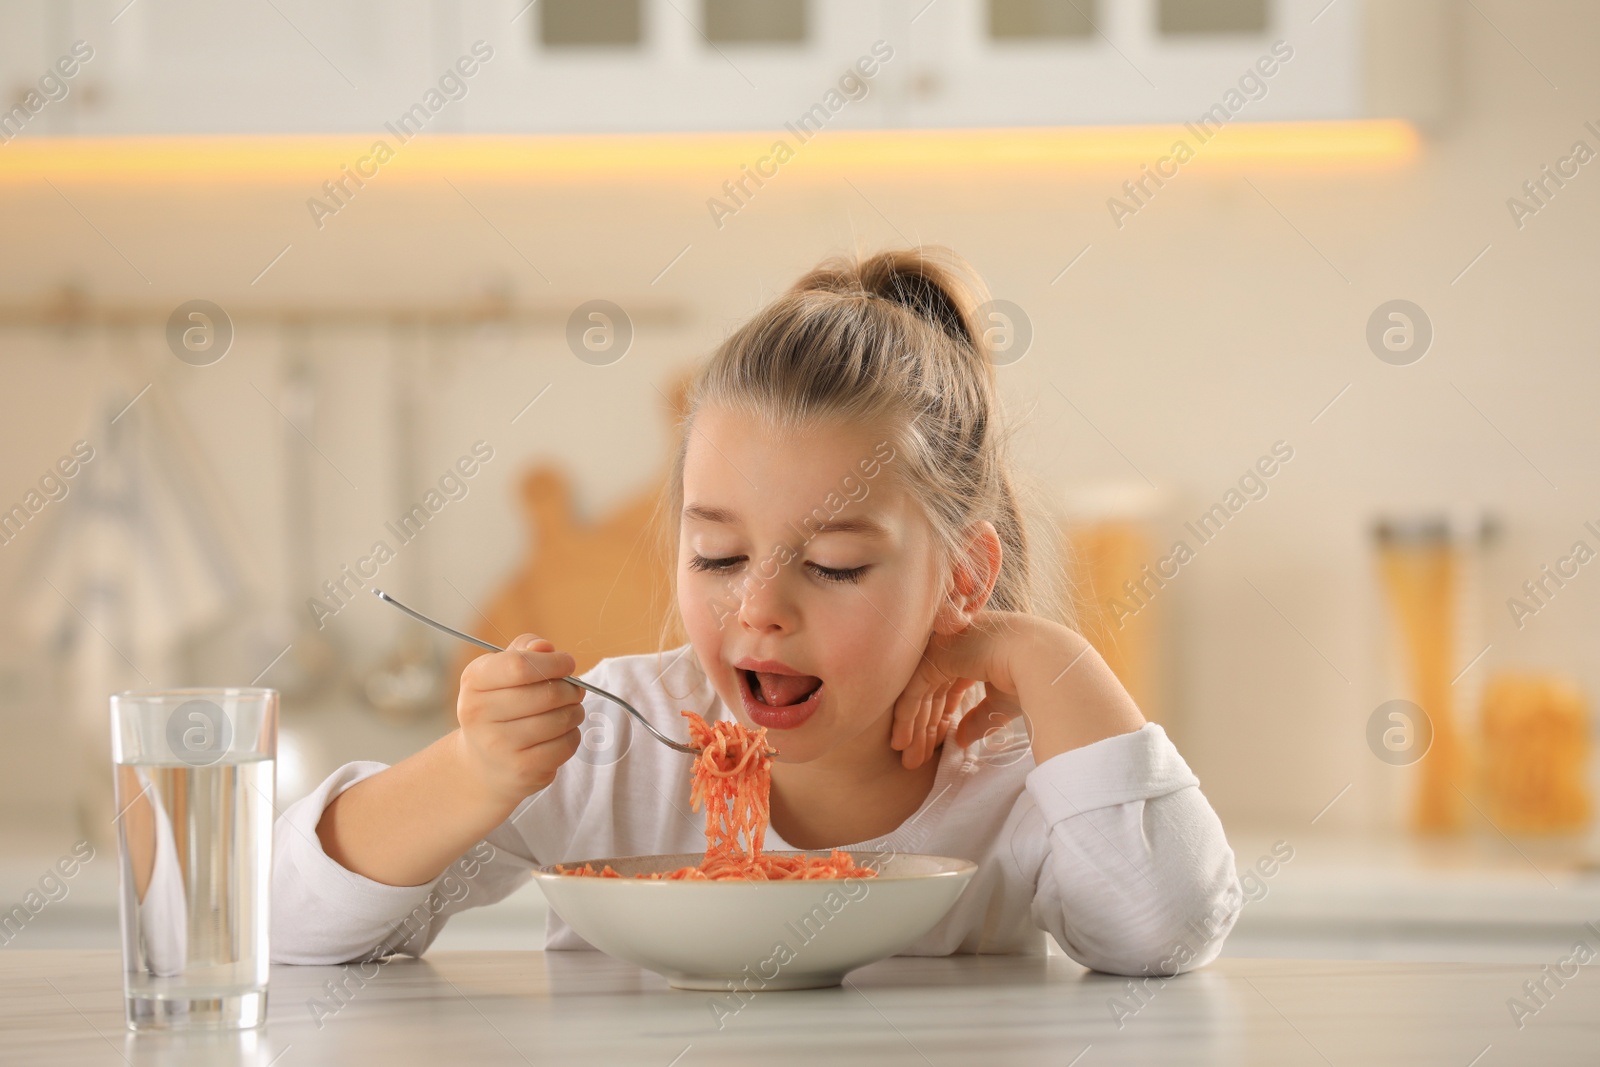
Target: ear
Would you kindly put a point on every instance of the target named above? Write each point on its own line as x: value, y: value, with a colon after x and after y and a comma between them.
x: 973, y: 575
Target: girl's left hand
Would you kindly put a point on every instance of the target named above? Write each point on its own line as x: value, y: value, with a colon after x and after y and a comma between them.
x: 951, y: 664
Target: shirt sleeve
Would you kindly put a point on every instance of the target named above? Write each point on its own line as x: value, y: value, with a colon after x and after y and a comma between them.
x: 323, y: 913
x: 1137, y: 875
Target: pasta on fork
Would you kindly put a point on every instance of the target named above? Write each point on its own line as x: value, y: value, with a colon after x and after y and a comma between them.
x: 733, y: 781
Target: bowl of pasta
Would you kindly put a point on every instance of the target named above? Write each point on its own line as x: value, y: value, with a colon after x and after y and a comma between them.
x: 739, y: 917
x: 779, y: 933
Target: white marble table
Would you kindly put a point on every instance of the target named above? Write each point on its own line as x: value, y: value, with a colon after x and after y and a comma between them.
x: 490, y: 1008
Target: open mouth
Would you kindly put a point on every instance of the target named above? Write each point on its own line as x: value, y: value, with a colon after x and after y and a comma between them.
x: 780, y: 690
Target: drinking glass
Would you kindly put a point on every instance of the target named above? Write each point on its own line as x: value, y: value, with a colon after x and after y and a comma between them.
x: 194, y: 785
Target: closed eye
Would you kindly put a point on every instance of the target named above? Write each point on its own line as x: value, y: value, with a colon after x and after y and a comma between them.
x: 722, y: 564
x: 714, y: 565
x: 831, y: 574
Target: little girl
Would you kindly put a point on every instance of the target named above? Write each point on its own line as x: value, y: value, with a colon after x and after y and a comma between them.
x: 852, y: 563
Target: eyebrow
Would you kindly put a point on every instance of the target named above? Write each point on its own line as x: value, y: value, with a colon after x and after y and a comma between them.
x: 858, y: 524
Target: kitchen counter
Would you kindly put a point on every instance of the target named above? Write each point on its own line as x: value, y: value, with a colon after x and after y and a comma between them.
x: 489, y: 1008
x: 1474, y: 899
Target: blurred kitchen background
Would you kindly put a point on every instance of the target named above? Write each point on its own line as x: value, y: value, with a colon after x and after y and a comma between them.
x: 286, y: 282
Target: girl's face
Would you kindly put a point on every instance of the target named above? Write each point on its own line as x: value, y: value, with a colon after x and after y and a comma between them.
x: 808, y: 580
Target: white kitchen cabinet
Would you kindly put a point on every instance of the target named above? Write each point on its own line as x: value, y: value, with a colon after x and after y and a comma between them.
x: 1127, y: 71
x: 676, y: 79
x: 186, y: 66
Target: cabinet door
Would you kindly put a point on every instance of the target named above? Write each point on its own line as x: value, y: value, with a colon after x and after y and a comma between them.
x: 690, y: 65
x: 194, y: 67
x: 1075, y: 62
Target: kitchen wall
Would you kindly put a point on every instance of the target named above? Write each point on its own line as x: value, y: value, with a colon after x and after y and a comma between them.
x: 1227, y: 314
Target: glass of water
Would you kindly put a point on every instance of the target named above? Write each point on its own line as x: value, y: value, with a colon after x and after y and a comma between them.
x: 195, y: 787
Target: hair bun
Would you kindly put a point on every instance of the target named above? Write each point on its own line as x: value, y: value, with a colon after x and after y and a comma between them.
x: 931, y: 281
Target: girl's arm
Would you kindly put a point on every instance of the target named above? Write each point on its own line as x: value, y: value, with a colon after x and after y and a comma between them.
x: 519, y: 721
x: 324, y: 914
x: 376, y: 858
x: 1134, y: 872
x: 1135, y: 875
x: 1070, y: 694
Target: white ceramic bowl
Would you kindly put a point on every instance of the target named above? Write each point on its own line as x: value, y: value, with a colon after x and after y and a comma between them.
x: 756, y: 935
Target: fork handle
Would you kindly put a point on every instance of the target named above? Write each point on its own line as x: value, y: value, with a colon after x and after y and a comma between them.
x: 437, y: 625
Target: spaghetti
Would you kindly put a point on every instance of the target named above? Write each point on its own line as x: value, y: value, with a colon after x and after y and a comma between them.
x: 732, y: 778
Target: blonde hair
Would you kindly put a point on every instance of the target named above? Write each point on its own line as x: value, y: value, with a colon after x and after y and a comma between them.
x: 891, y: 340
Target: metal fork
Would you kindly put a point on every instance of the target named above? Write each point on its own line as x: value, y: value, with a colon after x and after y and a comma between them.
x: 631, y: 710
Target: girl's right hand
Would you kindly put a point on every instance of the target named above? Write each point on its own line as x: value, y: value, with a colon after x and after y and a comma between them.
x: 519, y: 719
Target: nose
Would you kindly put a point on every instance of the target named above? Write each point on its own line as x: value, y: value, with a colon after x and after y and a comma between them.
x: 763, y: 606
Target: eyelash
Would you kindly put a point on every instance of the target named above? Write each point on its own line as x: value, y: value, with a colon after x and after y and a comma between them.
x: 827, y: 574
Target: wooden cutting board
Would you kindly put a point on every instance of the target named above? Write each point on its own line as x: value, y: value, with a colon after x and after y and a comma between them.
x: 595, y: 587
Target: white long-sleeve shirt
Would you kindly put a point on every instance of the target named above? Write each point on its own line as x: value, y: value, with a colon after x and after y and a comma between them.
x: 1110, y: 848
